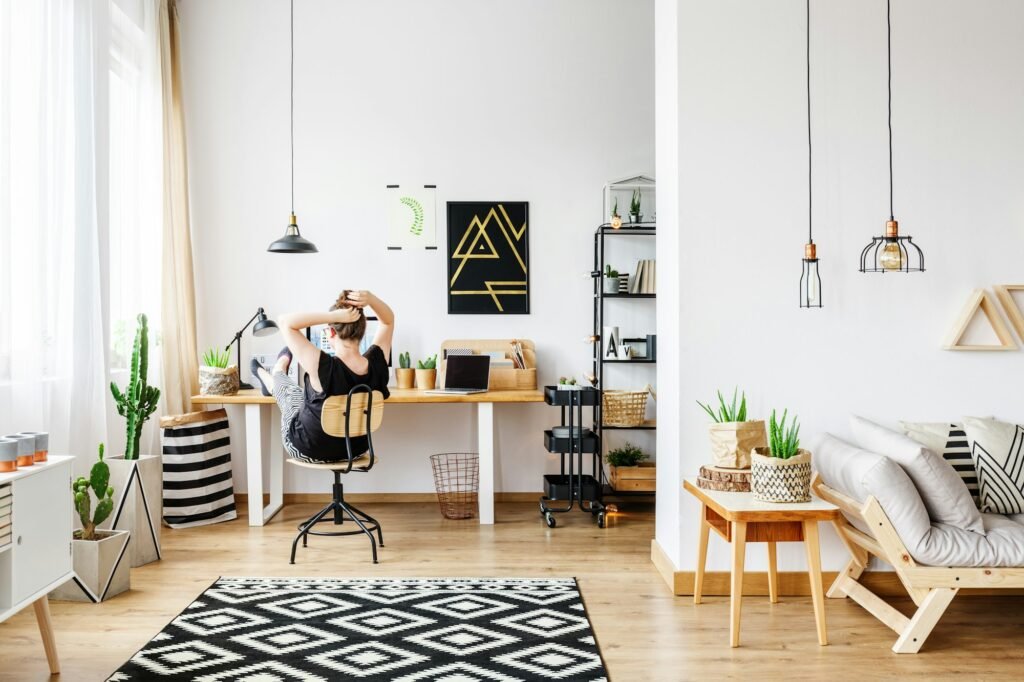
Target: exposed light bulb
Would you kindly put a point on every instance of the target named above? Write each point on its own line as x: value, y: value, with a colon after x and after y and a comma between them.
x: 813, y: 285
x: 892, y: 257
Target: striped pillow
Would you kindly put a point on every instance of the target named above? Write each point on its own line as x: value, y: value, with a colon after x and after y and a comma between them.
x: 998, y: 450
x: 950, y: 441
x: 198, y: 489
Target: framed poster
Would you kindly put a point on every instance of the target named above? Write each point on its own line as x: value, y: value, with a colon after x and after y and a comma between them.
x: 488, y: 258
x: 411, y: 217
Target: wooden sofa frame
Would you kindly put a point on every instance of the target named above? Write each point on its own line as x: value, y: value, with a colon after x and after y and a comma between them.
x: 931, y: 587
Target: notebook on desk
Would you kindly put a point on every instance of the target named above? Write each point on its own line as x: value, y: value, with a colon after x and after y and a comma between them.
x: 466, y: 374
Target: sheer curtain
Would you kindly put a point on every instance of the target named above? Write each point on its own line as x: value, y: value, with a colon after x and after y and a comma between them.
x: 80, y: 212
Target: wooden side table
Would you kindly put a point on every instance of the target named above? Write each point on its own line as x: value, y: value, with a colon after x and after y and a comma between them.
x: 739, y: 519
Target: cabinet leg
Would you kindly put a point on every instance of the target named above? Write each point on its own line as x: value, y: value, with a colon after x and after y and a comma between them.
x: 702, y: 557
x: 773, y: 575
x: 739, y: 551
x: 42, y: 609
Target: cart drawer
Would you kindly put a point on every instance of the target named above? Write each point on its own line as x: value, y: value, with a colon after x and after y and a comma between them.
x: 583, y: 396
x: 587, y: 444
x: 556, y: 487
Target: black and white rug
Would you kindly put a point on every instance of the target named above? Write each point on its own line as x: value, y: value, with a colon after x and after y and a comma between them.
x: 408, y: 630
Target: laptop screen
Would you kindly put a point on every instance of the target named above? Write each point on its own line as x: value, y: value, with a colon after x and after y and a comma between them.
x: 467, y: 372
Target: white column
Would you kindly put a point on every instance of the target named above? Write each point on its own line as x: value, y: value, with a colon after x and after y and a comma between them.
x: 254, y: 462
x: 485, y: 436
x: 276, y: 481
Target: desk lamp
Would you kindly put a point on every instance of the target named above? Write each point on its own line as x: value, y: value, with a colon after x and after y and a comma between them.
x: 263, y: 327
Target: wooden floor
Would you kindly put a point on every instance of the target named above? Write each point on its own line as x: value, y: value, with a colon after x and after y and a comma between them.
x: 644, y: 632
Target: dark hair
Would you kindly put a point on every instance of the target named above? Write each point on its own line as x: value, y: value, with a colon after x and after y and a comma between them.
x: 349, y: 330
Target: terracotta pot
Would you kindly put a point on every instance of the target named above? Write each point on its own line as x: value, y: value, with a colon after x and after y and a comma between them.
x: 406, y: 377
x: 780, y: 480
x: 101, y: 568
x: 426, y: 379
x: 732, y: 443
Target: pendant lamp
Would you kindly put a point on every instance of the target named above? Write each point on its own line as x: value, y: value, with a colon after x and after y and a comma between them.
x: 891, y: 252
x: 810, y: 280
x: 292, y: 241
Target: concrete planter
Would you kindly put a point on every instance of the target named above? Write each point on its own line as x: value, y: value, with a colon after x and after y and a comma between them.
x: 101, y: 568
x: 138, y: 505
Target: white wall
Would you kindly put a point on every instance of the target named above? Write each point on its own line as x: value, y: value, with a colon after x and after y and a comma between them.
x: 538, y: 101
x: 959, y: 163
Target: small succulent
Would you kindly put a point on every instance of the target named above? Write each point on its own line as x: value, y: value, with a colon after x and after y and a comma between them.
x: 728, y: 413
x: 634, y: 204
x: 783, y: 442
x: 404, y: 362
x: 610, y: 273
x: 615, y: 208
x: 628, y: 455
x: 429, y: 363
x: 215, y: 357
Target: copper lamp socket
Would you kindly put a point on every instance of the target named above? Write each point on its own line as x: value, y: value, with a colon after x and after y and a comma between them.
x: 811, y: 251
x: 892, y: 228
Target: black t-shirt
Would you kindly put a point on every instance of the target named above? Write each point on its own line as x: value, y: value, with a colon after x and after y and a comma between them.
x: 306, y: 433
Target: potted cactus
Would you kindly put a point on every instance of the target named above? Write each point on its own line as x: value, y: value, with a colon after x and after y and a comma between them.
x: 99, y: 556
x: 781, y: 472
x: 216, y: 376
x: 138, y: 477
x: 611, y: 280
x: 426, y: 373
x: 733, y: 437
x: 635, y: 216
x: 405, y: 374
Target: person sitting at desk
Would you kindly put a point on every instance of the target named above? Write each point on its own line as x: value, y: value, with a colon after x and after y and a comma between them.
x: 301, y: 432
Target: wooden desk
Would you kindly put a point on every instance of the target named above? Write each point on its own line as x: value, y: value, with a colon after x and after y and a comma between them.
x: 739, y: 519
x: 258, y: 407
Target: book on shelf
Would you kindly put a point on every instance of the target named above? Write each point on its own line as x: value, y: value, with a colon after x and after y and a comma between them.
x: 645, y: 279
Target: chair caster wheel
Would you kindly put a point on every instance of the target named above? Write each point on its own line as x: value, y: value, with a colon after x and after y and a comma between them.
x: 550, y: 520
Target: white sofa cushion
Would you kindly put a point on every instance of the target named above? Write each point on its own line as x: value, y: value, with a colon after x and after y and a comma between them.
x: 861, y: 474
x: 950, y: 441
x: 998, y: 451
x: 943, y: 491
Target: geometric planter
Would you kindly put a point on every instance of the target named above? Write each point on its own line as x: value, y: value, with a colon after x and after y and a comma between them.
x: 773, y: 479
x: 138, y: 504
x: 101, y: 568
x: 640, y: 478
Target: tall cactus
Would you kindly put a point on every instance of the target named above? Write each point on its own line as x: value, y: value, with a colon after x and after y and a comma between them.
x: 138, y: 401
x: 99, y: 478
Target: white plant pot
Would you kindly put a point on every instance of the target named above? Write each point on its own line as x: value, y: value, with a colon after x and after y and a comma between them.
x: 610, y: 285
x: 138, y: 504
x: 101, y: 568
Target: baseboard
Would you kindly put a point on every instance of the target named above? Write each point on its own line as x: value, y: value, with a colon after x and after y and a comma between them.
x: 673, y: 578
x: 380, y: 498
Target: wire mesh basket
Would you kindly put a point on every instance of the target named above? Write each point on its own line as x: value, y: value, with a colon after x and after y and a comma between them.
x: 457, y: 481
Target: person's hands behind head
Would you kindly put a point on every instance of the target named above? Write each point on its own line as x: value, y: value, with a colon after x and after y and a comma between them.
x: 360, y: 298
x: 345, y: 315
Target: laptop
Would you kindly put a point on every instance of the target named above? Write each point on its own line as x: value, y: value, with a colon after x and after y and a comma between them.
x: 466, y: 374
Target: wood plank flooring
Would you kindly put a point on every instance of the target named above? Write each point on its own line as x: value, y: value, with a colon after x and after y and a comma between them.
x: 644, y: 632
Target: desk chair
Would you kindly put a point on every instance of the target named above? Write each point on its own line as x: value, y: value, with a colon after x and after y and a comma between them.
x: 357, y: 414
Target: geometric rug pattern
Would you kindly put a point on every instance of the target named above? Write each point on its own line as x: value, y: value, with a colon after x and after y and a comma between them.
x: 396, y: 629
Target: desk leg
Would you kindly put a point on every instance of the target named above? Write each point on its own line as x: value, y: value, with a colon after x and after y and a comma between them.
x: 254, y: 462
x: 814, y: 574
x: 42, y: 609
x: 773, y: 575
x: 739, y: 552
x: 702, y: 555
x: 276, y: 481
x: 485, y: 436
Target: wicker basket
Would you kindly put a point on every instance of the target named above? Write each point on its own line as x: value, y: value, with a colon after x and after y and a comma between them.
x: 780, y: 480
x: 624, y: 408
x: 457, y: 480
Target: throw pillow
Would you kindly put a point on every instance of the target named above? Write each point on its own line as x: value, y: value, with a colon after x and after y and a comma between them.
x: 998, y: 452
x: 950, y: 441
x: 945, y: 496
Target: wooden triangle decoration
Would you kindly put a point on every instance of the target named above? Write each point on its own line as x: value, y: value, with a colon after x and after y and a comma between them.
x: 1004, y: 292
x: 980, y: 299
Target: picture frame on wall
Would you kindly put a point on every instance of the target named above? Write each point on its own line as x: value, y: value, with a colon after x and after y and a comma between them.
x: 488, y: 258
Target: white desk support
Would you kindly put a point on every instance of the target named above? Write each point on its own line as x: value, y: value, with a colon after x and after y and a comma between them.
x: 259, y: 408
x: 38, y: 558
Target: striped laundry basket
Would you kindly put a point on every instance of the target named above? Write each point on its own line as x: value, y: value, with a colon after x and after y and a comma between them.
x: 197, y: 469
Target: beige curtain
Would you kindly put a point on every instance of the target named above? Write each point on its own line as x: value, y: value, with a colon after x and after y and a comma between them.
x: 180, y: 357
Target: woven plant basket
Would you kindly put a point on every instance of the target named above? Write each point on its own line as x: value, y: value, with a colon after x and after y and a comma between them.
x: 780, y: 480
x: 624, y: 408
x: 218, y: 380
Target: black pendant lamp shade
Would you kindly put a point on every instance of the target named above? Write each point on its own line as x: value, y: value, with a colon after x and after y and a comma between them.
x: 810, y: 280
x: 264, y: 326
x: 892, y: 252
x: 292, y: 241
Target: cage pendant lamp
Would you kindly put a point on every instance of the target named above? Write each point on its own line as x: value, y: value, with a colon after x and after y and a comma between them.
x: 892, y: 252
x: 292, y: 241
x: 810, y: 279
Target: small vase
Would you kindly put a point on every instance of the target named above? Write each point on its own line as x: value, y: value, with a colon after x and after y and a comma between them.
x: 406, y: 377
x: 611, y: 285
x: 780, y: 480
x: 426, y: 379
x: 636, y: 217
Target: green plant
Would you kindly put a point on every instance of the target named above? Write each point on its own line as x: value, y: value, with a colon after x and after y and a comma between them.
x: 615, y: 208
x: 783, y: 442
x: 634, y: 204
x: 628, y: 455
x: 99, y: 478
x: 429, y: 363
x: 610, y: 273
x: 403, y: 361
x: 138, y: 401
x: 730, y: 412
x: 563, y: 381
x: 214, y: 357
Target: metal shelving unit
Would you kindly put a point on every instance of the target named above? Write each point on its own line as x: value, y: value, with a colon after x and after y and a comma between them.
x: 603, y: 231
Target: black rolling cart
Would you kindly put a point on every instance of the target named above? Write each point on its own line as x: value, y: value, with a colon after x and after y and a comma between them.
x: 572, y: 441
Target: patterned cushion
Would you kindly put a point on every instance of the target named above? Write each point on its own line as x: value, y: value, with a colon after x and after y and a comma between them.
x: 998, y: 452
x: 951, y: 442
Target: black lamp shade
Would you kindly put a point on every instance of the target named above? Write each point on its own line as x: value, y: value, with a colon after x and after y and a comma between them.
x: 292, y: 241
x: 264, y: 327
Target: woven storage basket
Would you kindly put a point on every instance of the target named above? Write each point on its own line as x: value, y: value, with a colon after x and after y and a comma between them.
x: 780, y: 480
x: 624, y: 408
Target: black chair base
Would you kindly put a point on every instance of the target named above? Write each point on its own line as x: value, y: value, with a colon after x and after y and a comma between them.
x: 337, y: 513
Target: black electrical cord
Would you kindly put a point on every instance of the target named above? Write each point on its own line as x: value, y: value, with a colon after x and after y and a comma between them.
x: 291, y: 95
x: 888, y: 27
x: 810, y: 193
